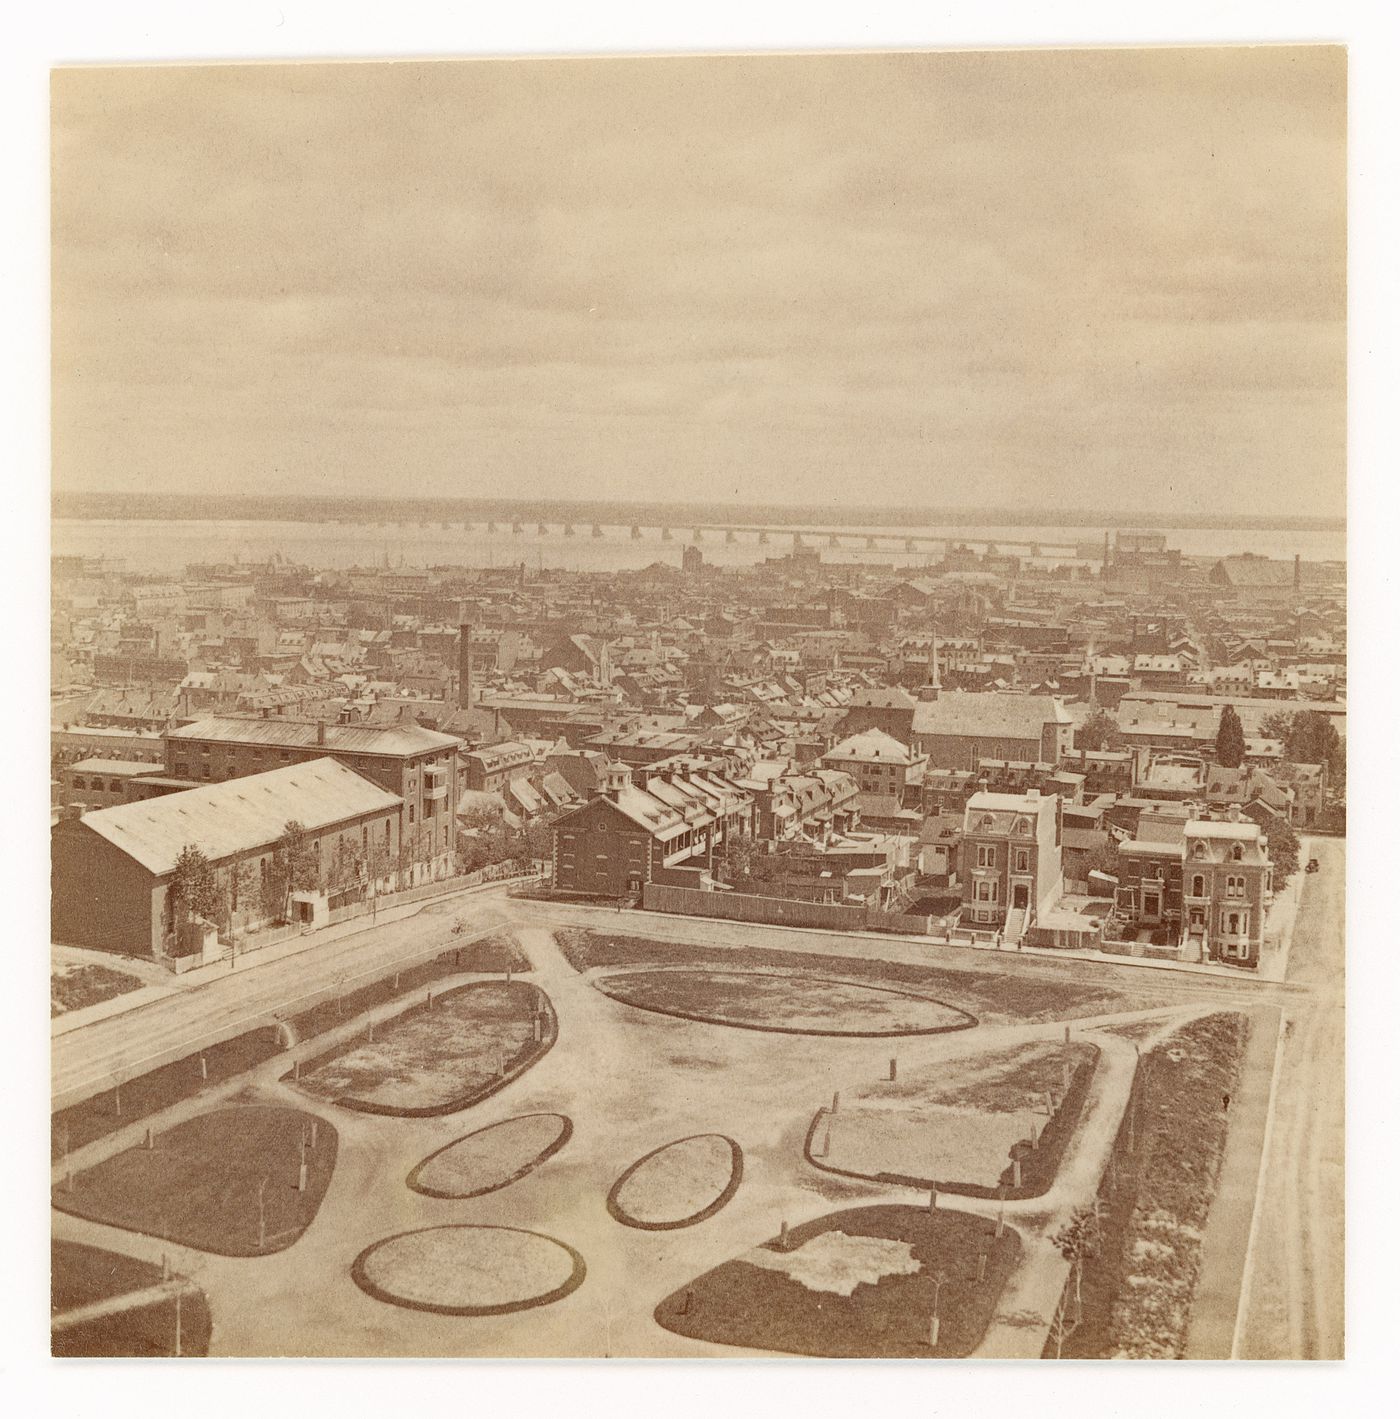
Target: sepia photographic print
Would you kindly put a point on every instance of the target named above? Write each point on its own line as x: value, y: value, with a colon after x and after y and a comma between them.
x: 699, y: 706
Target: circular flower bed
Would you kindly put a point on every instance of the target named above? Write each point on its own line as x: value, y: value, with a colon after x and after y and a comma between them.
x: 492, y: 1157
x: 678, y: 1184
x: 784, y: 1002
x: 469, y: 1270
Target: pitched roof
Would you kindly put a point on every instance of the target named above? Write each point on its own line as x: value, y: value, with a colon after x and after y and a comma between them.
x: 967, y: 712
x: 238, y: 814
x: 397, y: 740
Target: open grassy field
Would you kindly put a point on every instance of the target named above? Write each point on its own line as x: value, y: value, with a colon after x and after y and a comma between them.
x: 492, y: 1157
x: 995, y: 997
x: 225, y: 1181
x: 786, y: 1002
x: 962, y: 1124
x: 1138, y: 1281
x: 678, y: 1184
x: 859, y: 1283
x: 469, y: 1270
x: 440, y: 1057
x: 73, y: 986
x: 82, y: 1275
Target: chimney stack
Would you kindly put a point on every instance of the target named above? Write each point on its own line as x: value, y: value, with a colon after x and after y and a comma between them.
x: 320, y: 732
x: 464, y: 666
x: 1297, y: 570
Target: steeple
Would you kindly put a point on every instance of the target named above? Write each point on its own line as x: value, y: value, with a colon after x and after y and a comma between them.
x: 930, y: 690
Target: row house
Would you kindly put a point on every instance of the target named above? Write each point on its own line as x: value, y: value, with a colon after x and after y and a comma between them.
x: 629, y: 836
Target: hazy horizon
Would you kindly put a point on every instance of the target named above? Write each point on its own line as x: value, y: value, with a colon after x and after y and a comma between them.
x: 1105, y: 279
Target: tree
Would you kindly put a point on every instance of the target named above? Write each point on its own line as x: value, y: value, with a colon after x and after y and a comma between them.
x: 1284, y: 852
x: 193, y: 887
x: 1313, y: 739
x: 1076, y: 1241
x: 1099, y: 732
x: 1277, y: 724
x: 300, y: 869
x: 1229, y: 739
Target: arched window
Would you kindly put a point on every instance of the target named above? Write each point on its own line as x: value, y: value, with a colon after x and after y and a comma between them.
x: 1198, y: 886
x: 1237, y: 853
x: 1198, y: 849
x: 1023, y: 826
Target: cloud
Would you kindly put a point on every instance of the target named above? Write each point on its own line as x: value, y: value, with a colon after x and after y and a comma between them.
x: 805, y: 272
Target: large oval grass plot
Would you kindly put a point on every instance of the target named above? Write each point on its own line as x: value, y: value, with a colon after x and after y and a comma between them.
x: 786, y: 1002
x: 678, y: 1184
x: 469, y: 1270
x: 492, y: 1157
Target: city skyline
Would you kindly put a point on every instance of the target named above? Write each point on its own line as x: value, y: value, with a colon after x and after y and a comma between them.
x: 723, y: 280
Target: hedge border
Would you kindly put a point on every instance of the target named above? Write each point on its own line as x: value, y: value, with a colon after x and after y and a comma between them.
x: 1044, y: 1160
x: 722, y: 1199
x: 565, y: 1133
x: 545, y: 1298
x: 969, y: 1021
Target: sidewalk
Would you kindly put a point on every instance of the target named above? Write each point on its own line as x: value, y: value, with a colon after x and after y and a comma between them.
x: 1225, y: 1246
x: 265, y: 955
x: 633, y: 917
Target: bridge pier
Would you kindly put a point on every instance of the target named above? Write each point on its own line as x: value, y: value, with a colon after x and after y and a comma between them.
x: 541, y: 529
x: 665, y: 534
x: 731, y: 536
x: 763, y: 538
x: 636, y: 534
x: 597, y: 531
x: 568, y: 529
x: 516, y: 527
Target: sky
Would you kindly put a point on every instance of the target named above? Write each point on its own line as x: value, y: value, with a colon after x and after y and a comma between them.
x: 1080, y: 278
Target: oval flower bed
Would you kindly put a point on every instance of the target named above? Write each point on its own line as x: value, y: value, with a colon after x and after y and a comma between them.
x: 492, y: 1157
x: 469, y: 1270
x: 787, y: 1003
x: 678, y: 1184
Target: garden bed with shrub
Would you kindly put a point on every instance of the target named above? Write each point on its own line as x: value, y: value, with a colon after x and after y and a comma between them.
x: 1139, y: 1276
x: 855, y: 1284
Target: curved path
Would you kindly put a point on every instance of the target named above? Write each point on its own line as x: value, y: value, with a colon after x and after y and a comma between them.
x: 630, y: 1080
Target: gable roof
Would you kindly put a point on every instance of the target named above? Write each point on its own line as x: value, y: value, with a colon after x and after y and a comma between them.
x: 238, y: 814
x: 397, y: 740
x: 973, y: 714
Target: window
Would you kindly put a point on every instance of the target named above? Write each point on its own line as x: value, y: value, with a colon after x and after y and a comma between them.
x: 1234, y: 886
x: 986, y: 892
x: 1198, y: 886
x: 1198, y: 849
x: 410, y: 812
x: 1023, y: 826
x: 79, y: 781
x: 1237, y: 853
x: 1023, y: 860
x: 986, y: 855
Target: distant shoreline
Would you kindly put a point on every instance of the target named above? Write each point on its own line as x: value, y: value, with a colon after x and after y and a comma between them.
x: 320, y: 508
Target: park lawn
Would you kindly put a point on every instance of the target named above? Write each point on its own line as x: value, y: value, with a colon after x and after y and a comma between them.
x: 94, y: 1118
x: 962, y: 1124
x: 864, y: 1290
x: 1156, y: 1196
x: 788, y: 1003
x: 81, y: 1275
x: 994, y: 997
x: 437, y: 1058
x: 492, y: 955
x: 199, y: 1184
x: 678, y: 1184
x: 492, y: 1157
x: 74, y: 987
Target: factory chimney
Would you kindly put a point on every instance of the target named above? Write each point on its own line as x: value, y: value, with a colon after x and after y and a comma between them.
x: 464, y: 666
x: 930, y: 691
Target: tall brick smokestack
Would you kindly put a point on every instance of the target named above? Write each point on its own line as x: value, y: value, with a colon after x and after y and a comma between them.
x: 464, y: 665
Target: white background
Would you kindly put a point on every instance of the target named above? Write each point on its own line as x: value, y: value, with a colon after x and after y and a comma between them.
x: 38, y: 36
